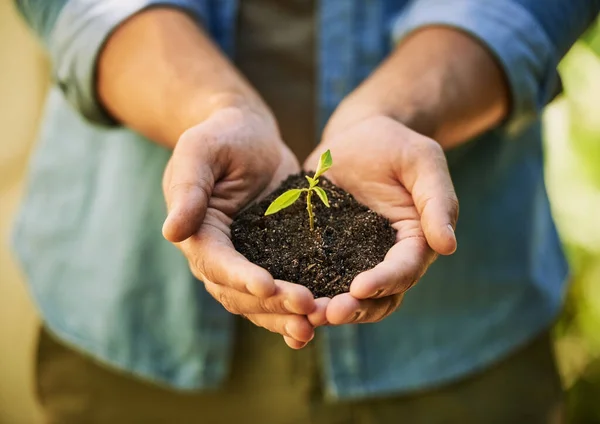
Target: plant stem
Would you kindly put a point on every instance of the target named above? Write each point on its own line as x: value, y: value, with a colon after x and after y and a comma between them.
x: 311, y: 217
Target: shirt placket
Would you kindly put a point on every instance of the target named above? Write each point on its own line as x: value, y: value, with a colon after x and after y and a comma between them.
x: 337, y: 60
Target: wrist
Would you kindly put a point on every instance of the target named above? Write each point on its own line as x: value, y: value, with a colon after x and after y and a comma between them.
x: 411, y: 106
x: 229, y: 99
x: 441, y: 83
x: 367, y: 103
x: 204, y: 105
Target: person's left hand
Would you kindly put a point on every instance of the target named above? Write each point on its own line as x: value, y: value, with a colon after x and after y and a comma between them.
x: 403, y: 176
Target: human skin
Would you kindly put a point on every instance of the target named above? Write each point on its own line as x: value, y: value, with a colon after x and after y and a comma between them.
x: 437, y: 90
x: 162, y: 76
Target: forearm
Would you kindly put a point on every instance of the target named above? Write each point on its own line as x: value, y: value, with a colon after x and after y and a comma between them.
x: 439, y: 82
x: 160, y: 74
x: 447, y: 85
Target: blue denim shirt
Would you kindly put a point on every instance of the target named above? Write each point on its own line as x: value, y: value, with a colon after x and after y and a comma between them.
x: 89, y: 231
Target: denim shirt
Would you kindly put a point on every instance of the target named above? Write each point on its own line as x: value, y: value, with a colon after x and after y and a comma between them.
x: 89, y: 231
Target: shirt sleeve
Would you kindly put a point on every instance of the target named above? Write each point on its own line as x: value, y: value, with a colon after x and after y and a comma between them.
x: 74, y: 33
x: 527, y: 37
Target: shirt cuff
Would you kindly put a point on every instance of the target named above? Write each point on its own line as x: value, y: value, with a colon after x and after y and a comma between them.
x: 514, y: 37
x: 78, y: 37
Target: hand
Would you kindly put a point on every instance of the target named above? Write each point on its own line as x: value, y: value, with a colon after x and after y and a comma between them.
x: 217, y: 168
x: 403, y: 176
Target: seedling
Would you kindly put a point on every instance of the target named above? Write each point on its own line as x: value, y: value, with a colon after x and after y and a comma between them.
x: 288, y: 198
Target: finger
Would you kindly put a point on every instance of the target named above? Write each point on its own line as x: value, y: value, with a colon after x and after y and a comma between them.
x: 294, y: 344
x: 434, y: 196
x: 403, y: 266
x: 345, y: 309
x: 213, y: 258
x: 288, y: 299
x: 296, y: 327
x: 318, y: 317
x: 188, y: 188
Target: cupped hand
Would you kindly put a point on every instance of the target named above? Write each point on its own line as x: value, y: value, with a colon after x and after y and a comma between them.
x: 403, y: 176
x: 217, y: 168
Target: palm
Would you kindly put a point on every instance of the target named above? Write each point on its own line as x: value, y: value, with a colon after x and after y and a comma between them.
x: 403, y: 176
x: 218, y: 167
x: 236, y: 190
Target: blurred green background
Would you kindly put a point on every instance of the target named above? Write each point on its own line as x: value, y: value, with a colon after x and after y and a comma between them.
x: 572, y: 134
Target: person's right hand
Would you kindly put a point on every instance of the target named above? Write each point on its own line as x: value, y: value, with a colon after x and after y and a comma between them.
x: 217, y: 168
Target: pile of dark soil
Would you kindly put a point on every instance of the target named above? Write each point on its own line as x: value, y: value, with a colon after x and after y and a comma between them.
x: 348, y: 239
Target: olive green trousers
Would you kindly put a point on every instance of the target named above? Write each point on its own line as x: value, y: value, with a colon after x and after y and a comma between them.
x: 272, y: 384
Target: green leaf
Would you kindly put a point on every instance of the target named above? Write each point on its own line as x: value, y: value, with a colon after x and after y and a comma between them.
x: 313, y: 182
x: 285, y: 200
x: 322, y: 195
x: 325, y: 163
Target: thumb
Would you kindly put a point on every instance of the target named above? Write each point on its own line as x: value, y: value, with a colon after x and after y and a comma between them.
x: 187, y: 186
x: 435, y: 199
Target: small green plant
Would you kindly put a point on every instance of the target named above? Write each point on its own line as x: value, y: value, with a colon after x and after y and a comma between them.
x: 288, y: 198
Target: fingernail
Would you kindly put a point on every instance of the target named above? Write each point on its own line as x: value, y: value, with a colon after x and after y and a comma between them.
x: 453, y: 234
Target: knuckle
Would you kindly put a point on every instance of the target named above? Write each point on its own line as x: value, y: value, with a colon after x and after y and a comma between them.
x: 188, y: 136
x: 198, y: 264
x: 390, y: 305
x: 227, y: 303
x: 427, y: 148
x: 431, y: 145
x: 199, y: 186
x: 182, y: 186
x: 199, y: 135
x: 195, y: 271
x: 197, y: 268
x: 202, y: 185
x: 265, y: 305
x: 201, y: 269
x: 400, y: 286
x: 382, y: 292
x: 379, y: 314
x: 223, y: 298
